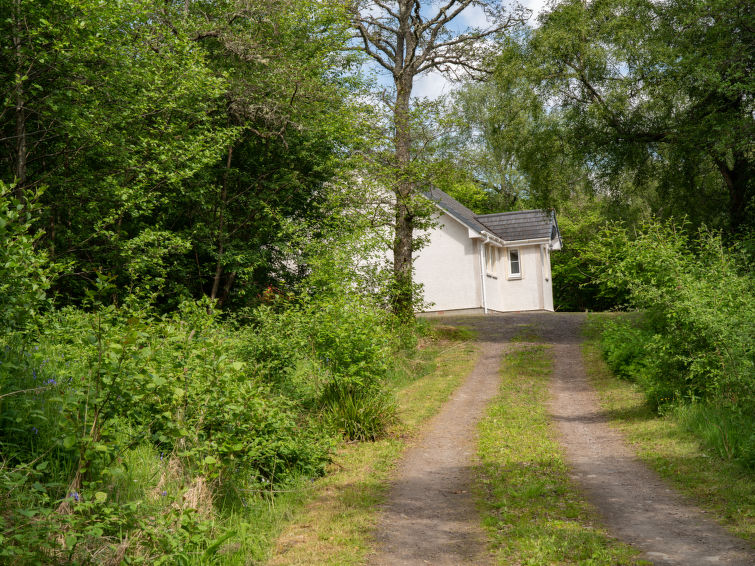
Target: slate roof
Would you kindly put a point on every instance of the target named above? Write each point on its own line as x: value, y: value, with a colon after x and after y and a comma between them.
x: 519, y: 225
x: 455, y: 209
x: 509, y: 226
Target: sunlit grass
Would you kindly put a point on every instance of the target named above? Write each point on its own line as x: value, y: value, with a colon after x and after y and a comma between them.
x: 533, y: 513
x: 334, y: 526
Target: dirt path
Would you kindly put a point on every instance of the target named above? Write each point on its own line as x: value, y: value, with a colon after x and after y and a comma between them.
x: 430, y: 518
x: 635, y: 504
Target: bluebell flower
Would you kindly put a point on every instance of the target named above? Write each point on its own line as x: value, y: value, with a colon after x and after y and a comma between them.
x: 74, y: 495
x: 34, y: 373
x: 34, y: 429
x: 51, y: 381
x: 164, y: 493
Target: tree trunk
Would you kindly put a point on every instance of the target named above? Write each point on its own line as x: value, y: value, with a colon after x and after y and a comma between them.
x: 20, y: 108
x: 738, y: 179
x: 221, y: 228
x: 402, y: 299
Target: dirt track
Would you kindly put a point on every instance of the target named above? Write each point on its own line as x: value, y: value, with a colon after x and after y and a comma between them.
x: 430, y: 518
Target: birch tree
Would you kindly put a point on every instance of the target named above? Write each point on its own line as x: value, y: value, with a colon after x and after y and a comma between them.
x: 408, y: 38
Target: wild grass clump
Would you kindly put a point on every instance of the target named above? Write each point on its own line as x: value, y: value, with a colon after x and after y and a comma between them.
x: 357, y: 413
x: 694, y: 345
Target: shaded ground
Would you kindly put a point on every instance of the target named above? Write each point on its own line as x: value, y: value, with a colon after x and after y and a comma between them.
x: 430, y: 518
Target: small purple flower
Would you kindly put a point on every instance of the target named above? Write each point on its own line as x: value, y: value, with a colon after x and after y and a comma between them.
x: 74, y: 495
x: 51, y: 381
x: 35, y: 430
x: 164, y: 493
x: 34, y: 373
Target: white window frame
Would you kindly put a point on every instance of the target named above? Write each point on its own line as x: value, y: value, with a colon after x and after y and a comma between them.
x: 512, y: 275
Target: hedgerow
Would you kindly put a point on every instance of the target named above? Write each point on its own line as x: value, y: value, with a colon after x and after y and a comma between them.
x: 695, y: 341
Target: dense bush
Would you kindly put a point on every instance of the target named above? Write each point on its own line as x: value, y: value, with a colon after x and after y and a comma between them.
x: 24, y: 270
x: 695, y: 341
x: 212, y: 406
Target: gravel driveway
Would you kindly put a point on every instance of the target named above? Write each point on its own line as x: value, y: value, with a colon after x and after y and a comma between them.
x: 430, y: 518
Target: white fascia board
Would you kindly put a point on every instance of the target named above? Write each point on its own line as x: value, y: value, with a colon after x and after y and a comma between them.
x: 516, y: 243
x: 472, y: 232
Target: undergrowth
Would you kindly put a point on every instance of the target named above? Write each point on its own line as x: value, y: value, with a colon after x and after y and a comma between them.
x: 691, y: 347
x: 130, y: 437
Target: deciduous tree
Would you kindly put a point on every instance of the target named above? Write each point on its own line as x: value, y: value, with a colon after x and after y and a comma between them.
x: 407, y: 38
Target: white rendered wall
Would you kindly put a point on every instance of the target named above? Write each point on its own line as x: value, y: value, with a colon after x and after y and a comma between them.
x: 449, y: 268
x: 548, y: 279
x: 526, y: 293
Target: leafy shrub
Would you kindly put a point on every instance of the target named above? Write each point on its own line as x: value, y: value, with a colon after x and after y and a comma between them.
x: 631, y: 352
x: 24, y: 271
x: 94, y: 386
x: 698, y: 299
x: 323, y: 352
x: 625, y: 349
x: 693, y: 349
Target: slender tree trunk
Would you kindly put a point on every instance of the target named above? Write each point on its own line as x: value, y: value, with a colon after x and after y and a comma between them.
x: 404, y: 231
x: 739, y: 181
x: 221, y: 227
x: 20, y: 108
x: 227, y: 287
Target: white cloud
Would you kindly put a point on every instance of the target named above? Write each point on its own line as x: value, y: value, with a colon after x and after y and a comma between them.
x: 431, y: 85
x: 536, y: 6
x: 474, y: 17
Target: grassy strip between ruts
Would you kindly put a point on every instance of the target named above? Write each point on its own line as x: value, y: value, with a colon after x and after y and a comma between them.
x: 532, y: 511
x: 723, y: 488
x: 335, y: 525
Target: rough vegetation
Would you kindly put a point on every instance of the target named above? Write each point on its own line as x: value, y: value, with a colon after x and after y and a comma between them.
x: 693, y: 347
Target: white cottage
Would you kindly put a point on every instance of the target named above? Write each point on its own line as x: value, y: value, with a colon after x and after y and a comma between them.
x: 490, y: 262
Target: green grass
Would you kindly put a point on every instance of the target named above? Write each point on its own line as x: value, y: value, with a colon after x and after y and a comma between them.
x: 720, y: 486
x: 333, y: 526
x: 532, y: 512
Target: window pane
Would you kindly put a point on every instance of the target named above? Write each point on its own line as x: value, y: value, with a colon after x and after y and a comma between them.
x: 514, y: 260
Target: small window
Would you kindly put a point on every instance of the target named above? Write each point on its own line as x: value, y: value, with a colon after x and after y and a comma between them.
x: 515, y: 269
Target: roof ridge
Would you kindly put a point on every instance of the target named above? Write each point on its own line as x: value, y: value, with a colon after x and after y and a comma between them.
x: 542, y: 210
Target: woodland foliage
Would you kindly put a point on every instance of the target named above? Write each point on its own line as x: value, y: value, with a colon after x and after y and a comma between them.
x: 191, y: 320
x: 194, y: 306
